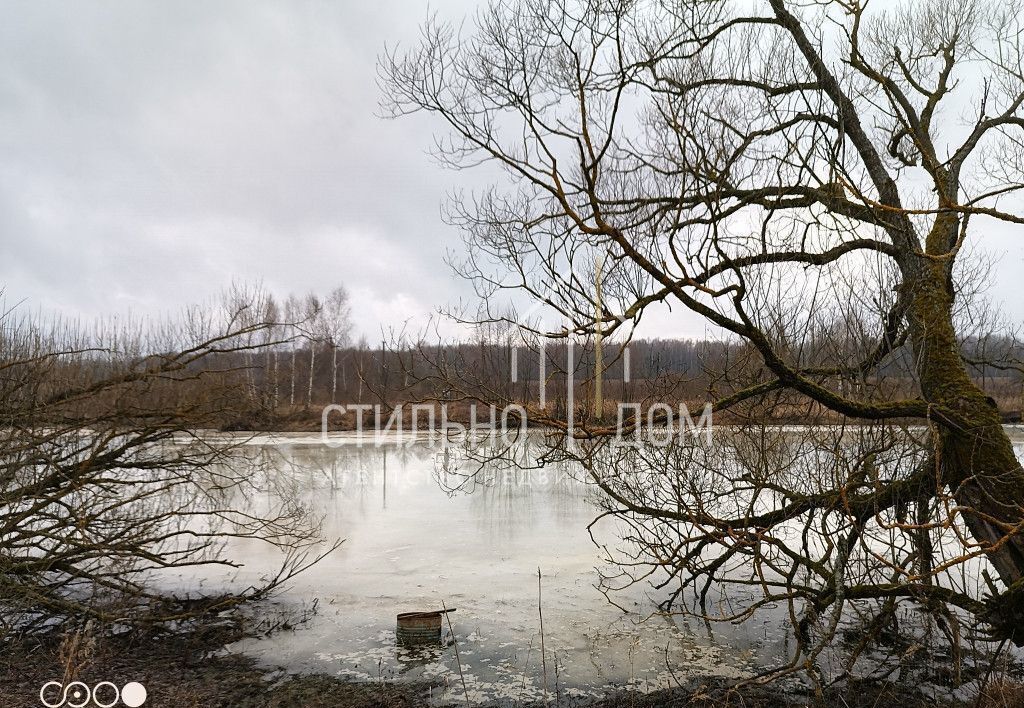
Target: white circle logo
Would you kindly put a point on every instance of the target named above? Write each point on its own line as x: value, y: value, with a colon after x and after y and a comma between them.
x: 105, y: 694
x: 133, y: 694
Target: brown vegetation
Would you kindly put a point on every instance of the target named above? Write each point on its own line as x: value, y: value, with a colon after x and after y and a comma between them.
x: 107, y: 480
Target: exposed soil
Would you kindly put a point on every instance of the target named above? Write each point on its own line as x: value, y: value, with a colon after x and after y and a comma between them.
x: 192, y: 673
x: 185, y: 673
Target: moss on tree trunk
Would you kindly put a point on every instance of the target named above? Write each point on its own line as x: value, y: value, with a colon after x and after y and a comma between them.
x: 976, y: 461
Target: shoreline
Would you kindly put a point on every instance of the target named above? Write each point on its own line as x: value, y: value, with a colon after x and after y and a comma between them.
x: 310, y: 419
x: 192, y: 671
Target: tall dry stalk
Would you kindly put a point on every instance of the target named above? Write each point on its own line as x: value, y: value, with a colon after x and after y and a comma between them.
x: 543, y: 655
x: 455, y: 643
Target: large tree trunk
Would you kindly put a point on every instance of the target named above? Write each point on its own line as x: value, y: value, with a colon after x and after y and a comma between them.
x: 977, y: 461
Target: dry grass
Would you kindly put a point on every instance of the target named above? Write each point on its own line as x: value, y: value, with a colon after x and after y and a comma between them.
x: 188, y: 672
x: 181, y: 673
x: 1002, y: 692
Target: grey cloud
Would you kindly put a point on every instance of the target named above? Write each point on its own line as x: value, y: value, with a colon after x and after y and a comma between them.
x: 150, y: 152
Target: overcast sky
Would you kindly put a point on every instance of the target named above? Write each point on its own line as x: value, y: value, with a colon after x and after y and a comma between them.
x: 152, y: 152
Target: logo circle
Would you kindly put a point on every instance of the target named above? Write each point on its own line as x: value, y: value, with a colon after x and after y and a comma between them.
x: 77, y: 695
x: 133, y: 694
x: 42, y: 694
x: 96, y: 694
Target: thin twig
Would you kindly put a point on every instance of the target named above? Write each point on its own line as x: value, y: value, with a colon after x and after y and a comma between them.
x: 543, y: 657
x: 988, y: 674
x: 526, y: 667
x: 455, y: 643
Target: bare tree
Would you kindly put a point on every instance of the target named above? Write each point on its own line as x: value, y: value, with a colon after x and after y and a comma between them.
x: 106, y: 478
x: 272, y: 333
x: 362, y: 346
x: 797, y: 176
x: 337, y: 325
x: 293, y: 314
x: 313, y: 329
x: 243, y: 307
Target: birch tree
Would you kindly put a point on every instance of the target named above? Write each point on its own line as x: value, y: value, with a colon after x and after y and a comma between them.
x: 337, y: 325
x: 313, y: 329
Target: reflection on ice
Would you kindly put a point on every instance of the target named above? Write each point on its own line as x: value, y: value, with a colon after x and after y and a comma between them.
x: 418, y: 535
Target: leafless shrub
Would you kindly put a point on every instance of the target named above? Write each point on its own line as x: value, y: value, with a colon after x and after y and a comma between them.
x: 110, y: 475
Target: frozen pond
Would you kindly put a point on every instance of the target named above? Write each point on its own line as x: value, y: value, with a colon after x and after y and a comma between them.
x: 412, y: 543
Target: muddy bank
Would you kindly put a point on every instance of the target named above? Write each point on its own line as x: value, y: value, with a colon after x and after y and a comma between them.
x: 194, y: 672
x: 182, y: 672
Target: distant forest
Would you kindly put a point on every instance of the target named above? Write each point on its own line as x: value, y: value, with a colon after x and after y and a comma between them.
x: 307, y: 375
x: 248, y: 363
